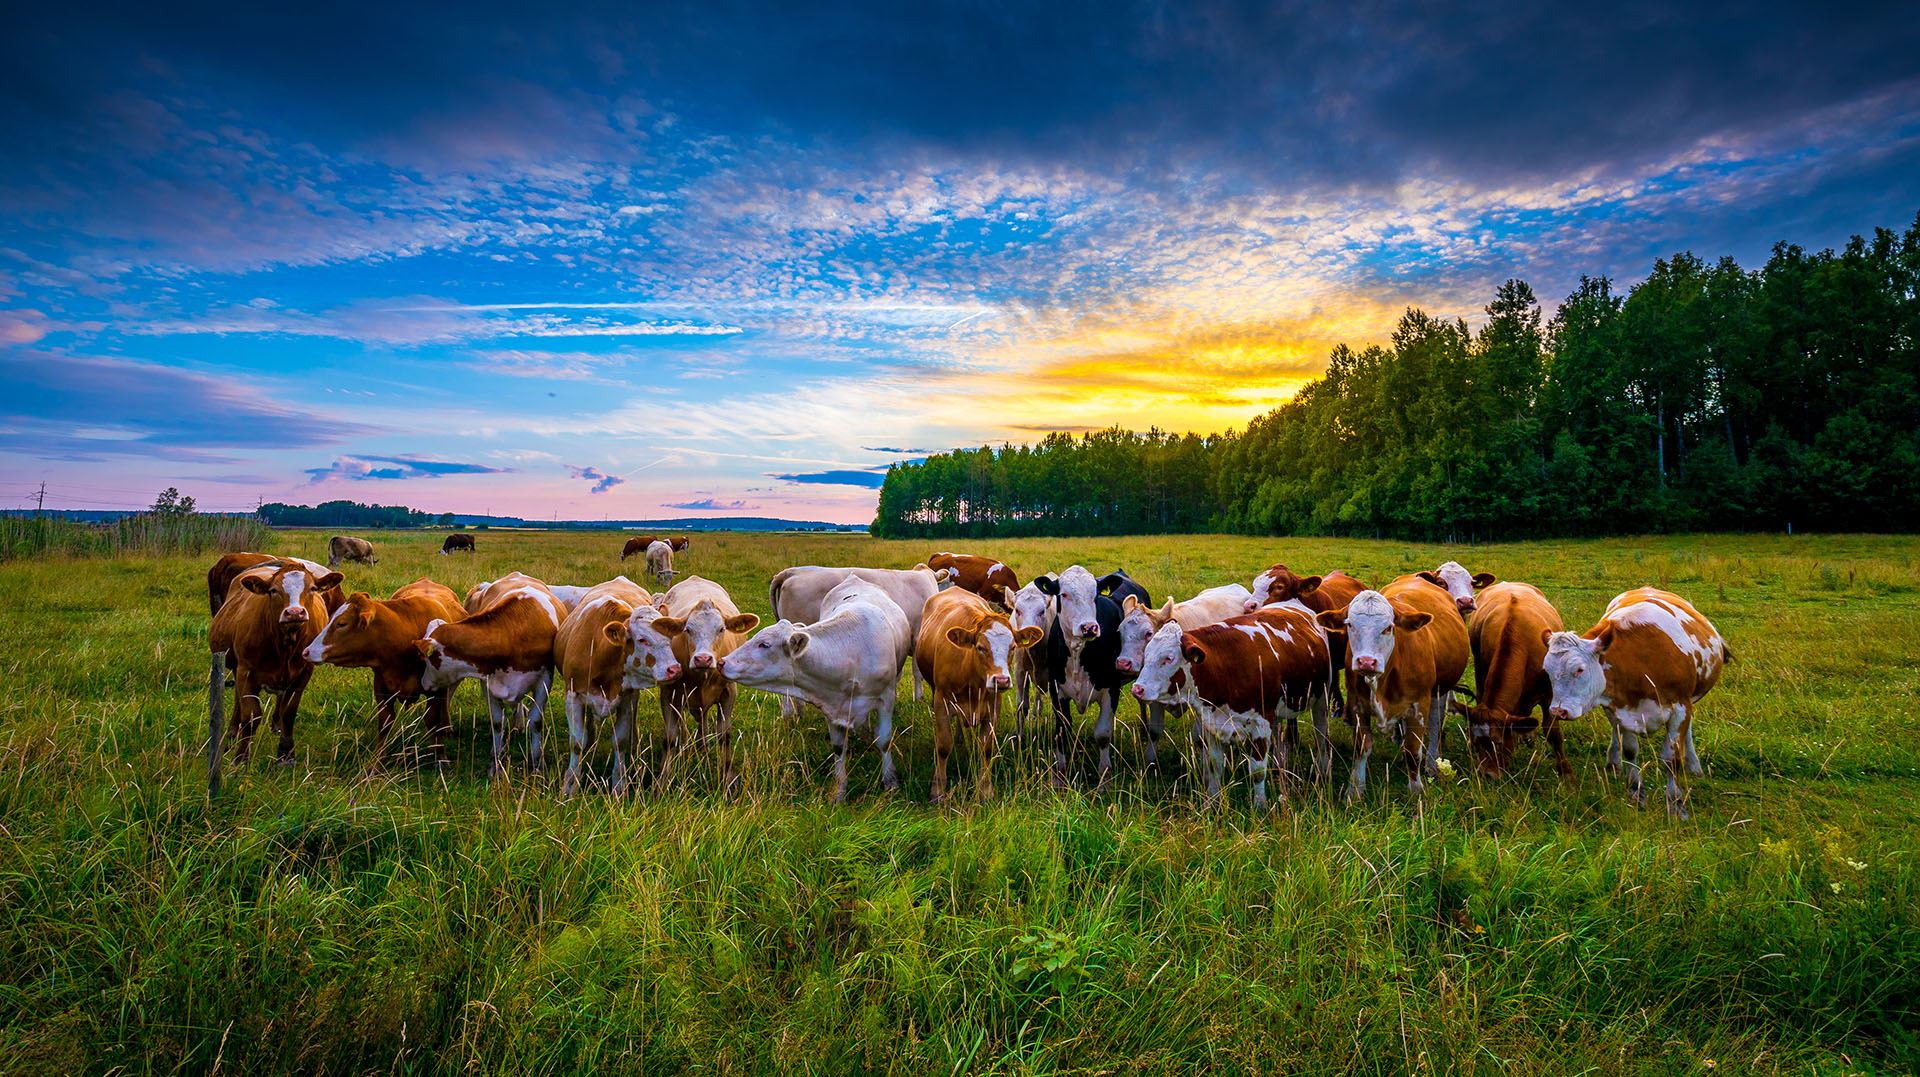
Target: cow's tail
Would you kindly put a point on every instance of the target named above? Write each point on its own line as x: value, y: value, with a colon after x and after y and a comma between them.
x: 773, y: 590
x: 216, y: 719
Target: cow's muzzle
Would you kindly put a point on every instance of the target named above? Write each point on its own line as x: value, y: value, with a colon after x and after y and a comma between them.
x: 1138, y: 692
x: 1124, y: 665
x: 999, y: 682
x: 1090, y: 630
x: 1366, y: 664
x: 703, y: 660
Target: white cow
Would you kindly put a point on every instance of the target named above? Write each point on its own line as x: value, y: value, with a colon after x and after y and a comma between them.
x: 798, y: 594
x: 1029, y: 607
x: 846, y: 662
x: 660, y: 561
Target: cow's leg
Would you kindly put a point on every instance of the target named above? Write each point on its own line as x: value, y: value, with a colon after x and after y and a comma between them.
x: 723, y: 730
x: 1362, y: 751
x: 1153, y: 720
x: 1671, y: 754
x: 246, y: 713
x: 942, y: 745
x: 1103, y: 736
x: 1413, y: 751
x: 1693, y: 757
x: 536, y: 749
x: 1216, y: 767
x: 1023, y: 697
x: 497, y: 715
x: 883, y: 740
x: 1062, y: 734
x: 623, y: 724
x: 1436, y: 730
x: 1630, y: 759
x: 285, y: 710
x: 1613, y: 752
x: 839, y: 735
x: 439, y: 720
x: 673, y: 717
x: 1322, y: 741
x: 1558, y: 738
x: 988, y: 742
x: 1257, y: 764
x: 382, y: 723
x: 579, y: 738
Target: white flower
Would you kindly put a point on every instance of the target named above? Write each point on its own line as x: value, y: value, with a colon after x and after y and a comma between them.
x: 1445, y: 767
x: 1857, y: 865
x: 1835, y: 887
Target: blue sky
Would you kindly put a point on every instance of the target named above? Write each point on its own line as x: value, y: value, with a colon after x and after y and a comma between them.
x: 717, y: 259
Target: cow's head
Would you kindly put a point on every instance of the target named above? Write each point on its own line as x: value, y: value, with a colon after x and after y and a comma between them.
x: 349, y: 638
x: 1577, y: 670
x: 703, y: 626
x: 1164, y: 676
x: 440, y: 668
x: 1371, y: 621
x: 1029, y: 607
x: 1138, y: 623
x: 1459, y: 583
x: 1075, y: 589
x: 767, y: 658
x: 1493, y: 733
x: 992, y: 639
x: 292, y: 594
x: 1278, y: 584
x: 649, y: 651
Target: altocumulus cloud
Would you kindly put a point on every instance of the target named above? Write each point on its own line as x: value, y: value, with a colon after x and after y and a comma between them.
x: 602, y: 482
x: 362, y: 468
x: 710, y: 503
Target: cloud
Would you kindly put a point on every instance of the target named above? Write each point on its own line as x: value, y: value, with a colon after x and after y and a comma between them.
x: 602, y: 482
x: 362, y: 468
x: 874, y: 479
x: 710, y: 504
x: 900, y: 452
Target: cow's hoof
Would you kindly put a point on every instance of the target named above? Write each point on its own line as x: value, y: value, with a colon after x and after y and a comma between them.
x: 283, y: 760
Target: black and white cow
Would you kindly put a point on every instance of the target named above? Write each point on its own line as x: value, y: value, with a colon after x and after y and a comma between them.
x: 1081, y: 647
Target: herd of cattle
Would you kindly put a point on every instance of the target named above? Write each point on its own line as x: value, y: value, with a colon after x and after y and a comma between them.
x: 1246, y: 662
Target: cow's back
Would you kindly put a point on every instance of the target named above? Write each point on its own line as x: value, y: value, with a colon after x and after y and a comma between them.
x: 1660, y: 642
x: 1447, y: 632
x: 1509, y: 651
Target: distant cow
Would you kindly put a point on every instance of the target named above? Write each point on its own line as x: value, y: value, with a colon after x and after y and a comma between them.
x: 797, y: 594
x: 1509, y: 637
x: 984, y: 576
x: 704, y: 627
x: 660, y: 560
x: 221, y: 576
x: 1319, y: 594
x: 1244, y: 677
x: 344, y: 548
x: 378, y: 634
x: 1648, y: 661
x: 1138, y: 623
x: 639, y: 544
x: 261, y: 632
x: 1459, y: 584
x: 508, y: 647
x: 963, y: 651
x: 457, y: 542
x: 846, y: 662
x: 1406, y: 651
x: 590, y: 658
x: 1081, y: 648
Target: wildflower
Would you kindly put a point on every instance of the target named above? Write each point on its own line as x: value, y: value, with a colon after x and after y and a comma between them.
x: 1835, y: 887
x: 1709, y: 1064
x: 1857, y: 865
x: 1446, y: 768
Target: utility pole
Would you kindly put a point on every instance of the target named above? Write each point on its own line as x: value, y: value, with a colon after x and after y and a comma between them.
x: 40, y: 500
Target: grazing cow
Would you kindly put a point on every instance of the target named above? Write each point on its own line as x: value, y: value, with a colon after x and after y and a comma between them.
x: 378, y: 634
x: 1459, y: 584
x: 1138, y: 623
x: 343, y: 548
x: 1508, y: 634
x: 962, y: 651
x: 846, y: 662
x: 660, y: 560
x: 508, y: 647
x: 221, y: 576
x: 703, y: 626
x: 1647, y: 662
x: 639, y: 543
x: 1406, y: 651
x: 1029, y: 607
x: 590, y: 651
x: 261, y: 632
x: 798, y: 594
x: 457, y: 542
x: 982, y: 575
x: 1081, y: 648
x: 1242, y: 677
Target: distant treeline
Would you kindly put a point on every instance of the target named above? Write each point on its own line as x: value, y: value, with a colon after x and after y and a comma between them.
x: 350, y: 514
x: 1708, y: 397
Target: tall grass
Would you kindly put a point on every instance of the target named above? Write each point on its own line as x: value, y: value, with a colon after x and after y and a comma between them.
x: 329, y: 918
x: 146, y: 535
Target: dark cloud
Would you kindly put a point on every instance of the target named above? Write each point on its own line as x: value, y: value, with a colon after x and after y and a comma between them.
x: 362, y: 468
x: 602, y: 482
x: 872, y: 479
x: 713, y: 504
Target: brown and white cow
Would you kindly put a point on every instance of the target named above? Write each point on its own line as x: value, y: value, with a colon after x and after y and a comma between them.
x: 1406, y: 651
x: 1648, y: 661
x: 1508, y: 634
x: 377, y: 634
x: 457, y: 542
x: 984, y: 576
x: 590, y: 652
x: 1243, y: 677
x: 703, y: 625
x: 639, y: 543
x: 221, y: 576
x: 1459, y: 584
x: 1139, y: 622
x: 261, y: 633
x: 482, y: 594
x: 346, y: 548
x: 1319, y: 594
x: 963, y: 652
x: 508, y: 647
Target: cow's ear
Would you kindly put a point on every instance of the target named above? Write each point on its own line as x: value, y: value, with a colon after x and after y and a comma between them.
x: 797, y: 643
x: 1411, y: 620
x: 424, y: 647
x: 1602, y: 639
x: 1332, y: 620
x: 1546, y: 637
x: 962, y: 637
x: 1483, y: 580
x: 1112, y: 580
x: 1431, y: 577
x: 1166, y: 611
x: 1008, y: 596
x: 1047, y: 585
x: 256, y: 584
x: 670, y: 626
x: 1307, y: 585
x: 1027, y: 637
x: 743, y: 622
x: 615, y: 633
x: 1128, y: 604
x: 1190, y: 650
x: 330, y: 580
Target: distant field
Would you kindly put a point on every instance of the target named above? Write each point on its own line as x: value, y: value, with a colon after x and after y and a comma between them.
x: 323, y: 918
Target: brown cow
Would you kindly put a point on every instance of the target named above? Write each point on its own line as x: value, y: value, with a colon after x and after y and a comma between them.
x: 1459, y: 584
x: 1647, y: 662
x: 590, y: 653
x: 639, y: 544
x: 508, y: 647
x: 1406, y: 651
x: 1508, y: 634
x: 342, y: 548
x: 377, y: 634
x: 704, y: 626
x: 1318, y: 594
x: 457, y: 542
x: 221, y: 576
x: 983, y: 576
x: 261, y: 632
x: 962, y: 653
x: 1242, y: 677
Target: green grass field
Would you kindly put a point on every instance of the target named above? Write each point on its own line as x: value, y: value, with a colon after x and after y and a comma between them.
x: 328, y: 918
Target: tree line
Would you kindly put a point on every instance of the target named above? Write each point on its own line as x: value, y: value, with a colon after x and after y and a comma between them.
x: 1708, y: 396
x: 350, y: 514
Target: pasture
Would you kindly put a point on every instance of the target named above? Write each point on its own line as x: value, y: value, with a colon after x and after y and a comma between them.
x: 329, y: 917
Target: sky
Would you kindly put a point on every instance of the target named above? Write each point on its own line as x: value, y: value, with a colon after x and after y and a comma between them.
x: 725, y: 259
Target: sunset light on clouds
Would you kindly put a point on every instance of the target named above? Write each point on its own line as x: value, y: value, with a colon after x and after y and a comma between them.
x: 710, y: 261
